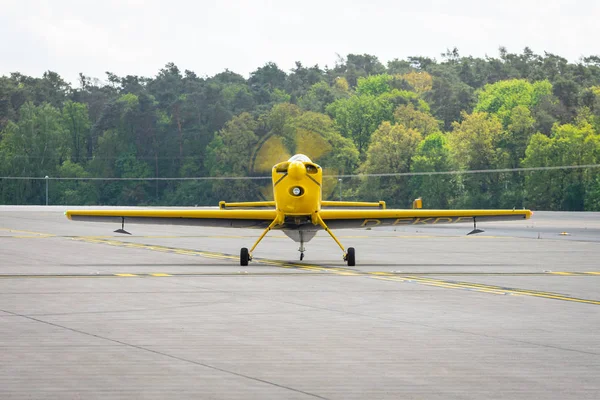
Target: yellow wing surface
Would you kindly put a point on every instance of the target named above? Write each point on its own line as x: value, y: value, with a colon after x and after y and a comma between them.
x: 215, y: 218
x: 260, y: 219
x: 340, y: 219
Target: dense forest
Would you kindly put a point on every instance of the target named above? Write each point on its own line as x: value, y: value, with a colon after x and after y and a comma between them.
x: 358, y: 118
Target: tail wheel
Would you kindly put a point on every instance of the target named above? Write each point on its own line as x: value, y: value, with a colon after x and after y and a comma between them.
x: 244, y: 256
x: 350, y: 257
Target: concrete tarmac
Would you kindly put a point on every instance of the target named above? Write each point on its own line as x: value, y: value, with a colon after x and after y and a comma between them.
x: 513, y: 313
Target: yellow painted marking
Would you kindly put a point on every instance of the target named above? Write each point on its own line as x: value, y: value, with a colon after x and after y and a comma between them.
x: 351, y: 272
x: 419, y: 236
x: 98, y: 237
x: 490, y: 291
x: 208, y: 255
x: 185, y: 252
x: 347, y: 273
x: 562, y: 273
x: 159, y: 237
x: 306, y: 267
x: 27, y: 232
x: 30, y: 237
x: 161, y: 274
x: 565, y: 298
x: 487, y: 289
x: 92, y: 240
x: 229, y: 237
x: 591, y: 273
x: 470, y: 285
x: 446, y: 284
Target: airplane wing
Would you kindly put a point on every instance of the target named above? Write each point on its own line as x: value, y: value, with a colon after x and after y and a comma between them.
x: 340, y: 219
x: 259, y: 219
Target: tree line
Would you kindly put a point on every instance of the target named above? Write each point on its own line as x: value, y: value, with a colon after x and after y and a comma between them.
x: 360, y: 116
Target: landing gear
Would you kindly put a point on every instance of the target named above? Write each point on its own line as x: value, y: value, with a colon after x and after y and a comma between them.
x: 350, y: 257
x: 245, y: 254
x: 301, y: 249
x: 244, y: 257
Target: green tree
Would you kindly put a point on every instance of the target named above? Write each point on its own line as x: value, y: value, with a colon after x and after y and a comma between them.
x: 473, y: 143
x: 264, y: 81
x: 8, y: 93
x: 413, y: 118
x: 77, y: 124
x: 433, y: 155
x: 449, y: 98
x: 356, y: 66
x: 73, y: 192
x: 569, y: 190
x: 391, y: 151
x: 374, y: 85
x: 228, y: 155
x: 591, y: 106
x: 502, y: 97
x: 319, y: 96
x: 127, y: 165
x: 397, y: 66
x: 301, y: 79
x: 421, y: 82
x: 357, y: 117
x: 32, y: 147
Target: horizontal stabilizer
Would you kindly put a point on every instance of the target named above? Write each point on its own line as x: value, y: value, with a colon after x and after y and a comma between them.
x: 353, y: 204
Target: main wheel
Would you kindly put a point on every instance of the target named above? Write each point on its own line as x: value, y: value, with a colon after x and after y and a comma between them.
x: 301, y: 256
x: 244, y: 256
x: 350, y: 257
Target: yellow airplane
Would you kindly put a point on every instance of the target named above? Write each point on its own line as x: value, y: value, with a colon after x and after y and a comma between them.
x: 299, y: 211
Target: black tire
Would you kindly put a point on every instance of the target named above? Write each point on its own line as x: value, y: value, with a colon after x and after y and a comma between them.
x: 301, y: 256
x: 244, y: 257
x: 350, y: 257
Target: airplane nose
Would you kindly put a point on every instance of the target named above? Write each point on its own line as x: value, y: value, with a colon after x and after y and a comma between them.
x: 296, y: 170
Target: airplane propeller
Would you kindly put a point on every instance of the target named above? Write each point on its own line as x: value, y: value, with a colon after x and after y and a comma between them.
x: 274, y: 148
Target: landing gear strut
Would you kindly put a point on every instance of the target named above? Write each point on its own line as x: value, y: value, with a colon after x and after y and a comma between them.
x: 349, y: 256
x: 301, y: 249
x: 245, y: 254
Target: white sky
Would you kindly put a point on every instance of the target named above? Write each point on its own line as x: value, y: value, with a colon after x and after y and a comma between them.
x: 138, y: 37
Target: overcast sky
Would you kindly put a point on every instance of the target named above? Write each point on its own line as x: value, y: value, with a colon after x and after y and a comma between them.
x: 138, y: 37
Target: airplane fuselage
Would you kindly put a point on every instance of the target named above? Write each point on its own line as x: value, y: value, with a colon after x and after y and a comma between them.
x: 297, y: 191
x: 297, y: 187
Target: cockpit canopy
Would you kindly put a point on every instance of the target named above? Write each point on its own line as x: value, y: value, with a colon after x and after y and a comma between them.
x: 300, y: 157
x: 310, y: 167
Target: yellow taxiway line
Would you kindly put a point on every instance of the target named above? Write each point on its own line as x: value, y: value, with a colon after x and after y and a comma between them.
x: 442, y: 283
